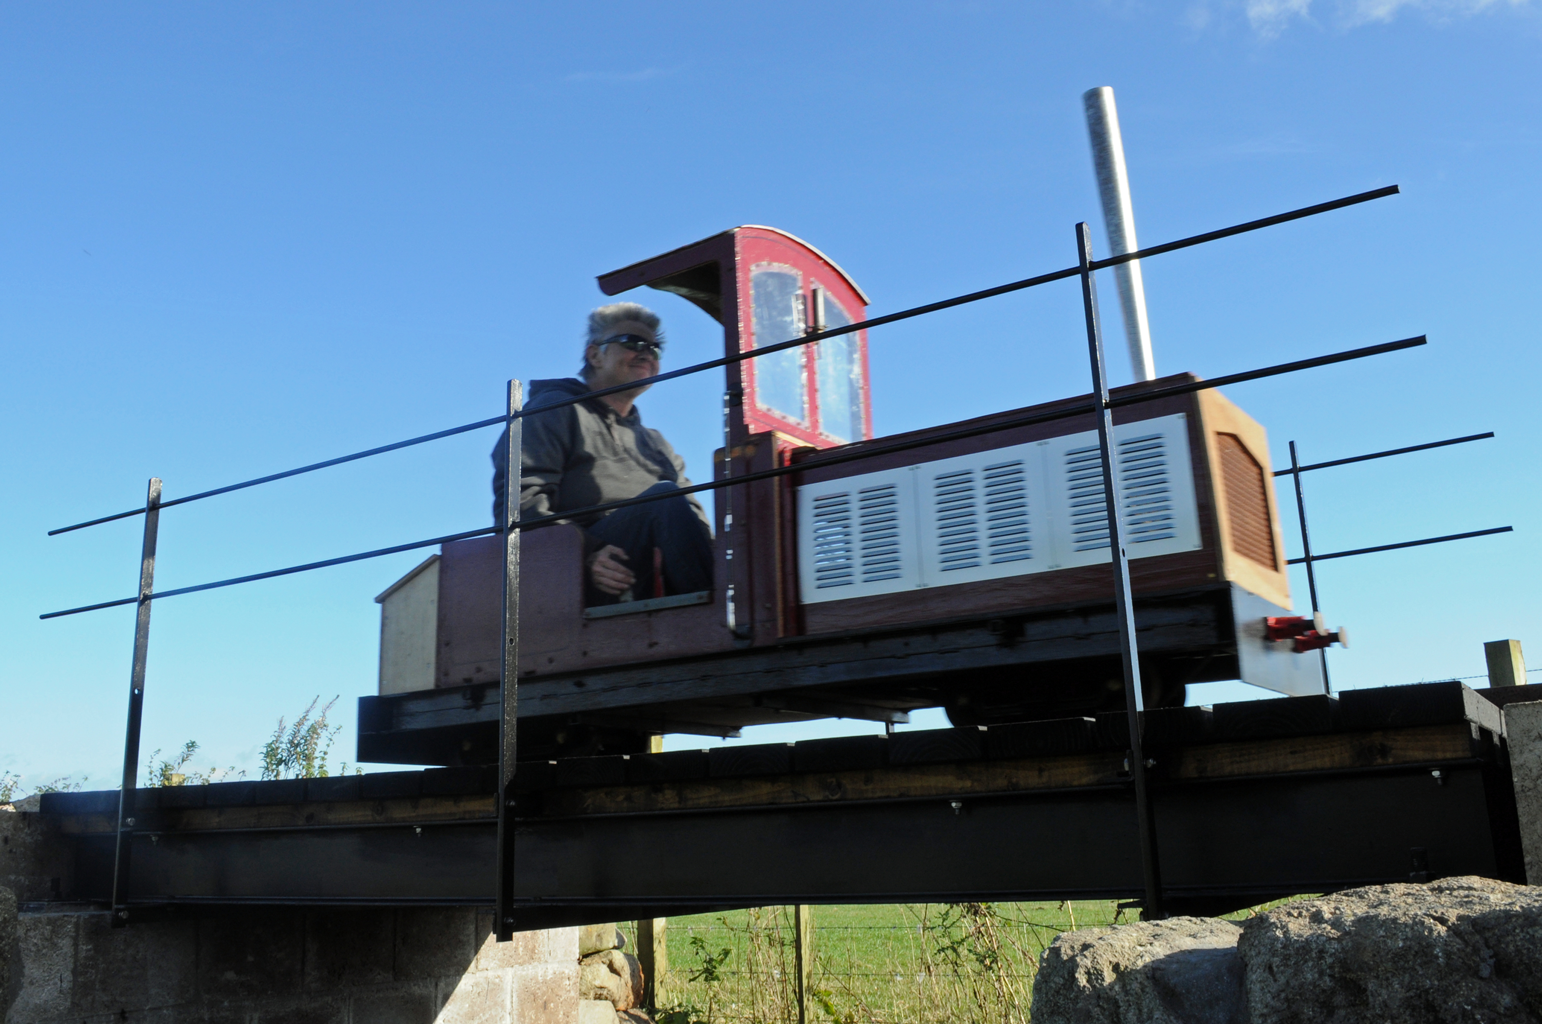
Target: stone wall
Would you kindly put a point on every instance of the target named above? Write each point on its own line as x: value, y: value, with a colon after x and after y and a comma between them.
x: 263, y: 965
x: 1457, y: 949
x: 272, y: 965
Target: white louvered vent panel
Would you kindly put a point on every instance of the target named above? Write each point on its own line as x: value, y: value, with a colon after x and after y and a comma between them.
x: 831, y: 537
x: 956, y: 520
x: 1008, y: 516
x: 979, y: 515
x: 1087, y: 506
x: 1146, y: 490
x: 880, y: 544
x: 1155, y: 487
x: 857, y: 536
x: 1006, y: 512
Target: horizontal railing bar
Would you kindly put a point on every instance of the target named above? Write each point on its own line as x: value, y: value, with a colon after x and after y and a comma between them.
x: 764, y: 350
x: 1404, y: 544
x: 436, y: 435
x: 378, y: 552
x: 1252, y: 225
x: 1079, y: 409
x: 987, y: 293
x: 1066, y: 412
x: 1383, y: 455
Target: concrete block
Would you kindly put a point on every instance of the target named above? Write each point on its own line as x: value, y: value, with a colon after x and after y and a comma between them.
x: 1523, y: 735
x: 434, y: 942
x: 45, y: 947
x: 311, y: 1010
x: 546, y: 994
x: 152, y: 964
x: 562, y: 945
x: 524, y: 948
x: 216, y: 1011
x: 475, y: 999
x: 10, y: 951
x: 347, y: 947
x: 161, y: 1015
x: 190, y: 1013
x: 250, y: 954
x: 412, y: 1003
x: 35, y: 863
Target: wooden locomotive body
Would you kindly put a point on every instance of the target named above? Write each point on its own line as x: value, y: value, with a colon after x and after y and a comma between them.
x: 963, y: 566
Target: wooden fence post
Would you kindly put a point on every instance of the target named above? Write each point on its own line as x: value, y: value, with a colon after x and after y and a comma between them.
x: 652, y: 938
x: 653, y: 954
x: 1506, y: 666
x: 803, y: 951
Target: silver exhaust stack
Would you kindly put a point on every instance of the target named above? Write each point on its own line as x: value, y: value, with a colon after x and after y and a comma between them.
x: 1119, y: 217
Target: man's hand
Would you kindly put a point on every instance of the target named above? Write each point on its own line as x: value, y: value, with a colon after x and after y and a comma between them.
x: 608, y: 574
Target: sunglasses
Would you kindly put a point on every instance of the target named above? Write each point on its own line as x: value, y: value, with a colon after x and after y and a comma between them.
x: 635, y: 343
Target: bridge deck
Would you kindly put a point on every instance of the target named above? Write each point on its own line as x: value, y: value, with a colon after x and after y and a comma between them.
x: 1253, y: 801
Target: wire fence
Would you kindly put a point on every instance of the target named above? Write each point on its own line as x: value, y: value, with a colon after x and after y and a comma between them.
x: 919, y: 963
x: 889, y: 964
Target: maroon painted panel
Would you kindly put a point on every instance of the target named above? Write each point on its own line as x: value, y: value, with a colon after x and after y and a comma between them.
x: 554, y: 635
x: 471, y: 603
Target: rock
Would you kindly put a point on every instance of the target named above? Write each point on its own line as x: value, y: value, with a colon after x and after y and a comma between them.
x: 596, y: 1011
x: 597, y: 981
x: 612, y: 975
x: 1460, y: 949
x: 1184, y: 970
x: 593, y: 938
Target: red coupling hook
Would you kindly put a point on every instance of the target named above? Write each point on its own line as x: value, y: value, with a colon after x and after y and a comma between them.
x: 1305, y: 634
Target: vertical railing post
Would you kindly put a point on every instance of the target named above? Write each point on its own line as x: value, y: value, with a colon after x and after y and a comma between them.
x: 1306, y: 550
x: 509, y: 674
x: 1123, y: 606
x: 126, y: 795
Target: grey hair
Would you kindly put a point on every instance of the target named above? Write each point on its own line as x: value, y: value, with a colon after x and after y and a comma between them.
x: 604, y: 318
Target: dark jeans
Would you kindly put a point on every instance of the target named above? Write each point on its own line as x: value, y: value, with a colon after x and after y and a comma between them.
x: 669, y: 524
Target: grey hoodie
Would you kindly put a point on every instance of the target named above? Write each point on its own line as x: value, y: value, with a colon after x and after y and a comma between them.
x: 584, y: 454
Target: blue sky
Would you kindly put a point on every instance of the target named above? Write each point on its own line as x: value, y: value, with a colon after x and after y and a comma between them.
x: 238, y: 238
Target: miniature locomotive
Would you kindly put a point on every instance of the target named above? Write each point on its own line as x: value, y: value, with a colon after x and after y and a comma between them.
x: 964, y: 566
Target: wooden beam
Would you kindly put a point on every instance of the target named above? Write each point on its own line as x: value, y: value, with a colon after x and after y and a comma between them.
x: 407, y: 811
x: 1237, y: 759
x: 939, y: 780
x: 1376, y: 749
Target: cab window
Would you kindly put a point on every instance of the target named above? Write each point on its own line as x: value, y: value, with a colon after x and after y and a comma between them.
x: 838, y: 373
x: 777, y: 295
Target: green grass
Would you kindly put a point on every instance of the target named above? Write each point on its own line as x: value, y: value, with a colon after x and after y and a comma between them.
x: 885, y: 964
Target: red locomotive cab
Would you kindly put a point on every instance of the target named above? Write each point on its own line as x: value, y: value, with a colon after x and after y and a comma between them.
x: 817, y: 394
x: 765, y: 287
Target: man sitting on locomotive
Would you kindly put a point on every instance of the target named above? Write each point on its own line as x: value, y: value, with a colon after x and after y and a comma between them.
x: 598, y: 451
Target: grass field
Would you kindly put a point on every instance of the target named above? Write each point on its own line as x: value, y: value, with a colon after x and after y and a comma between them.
x: 895, y: 964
